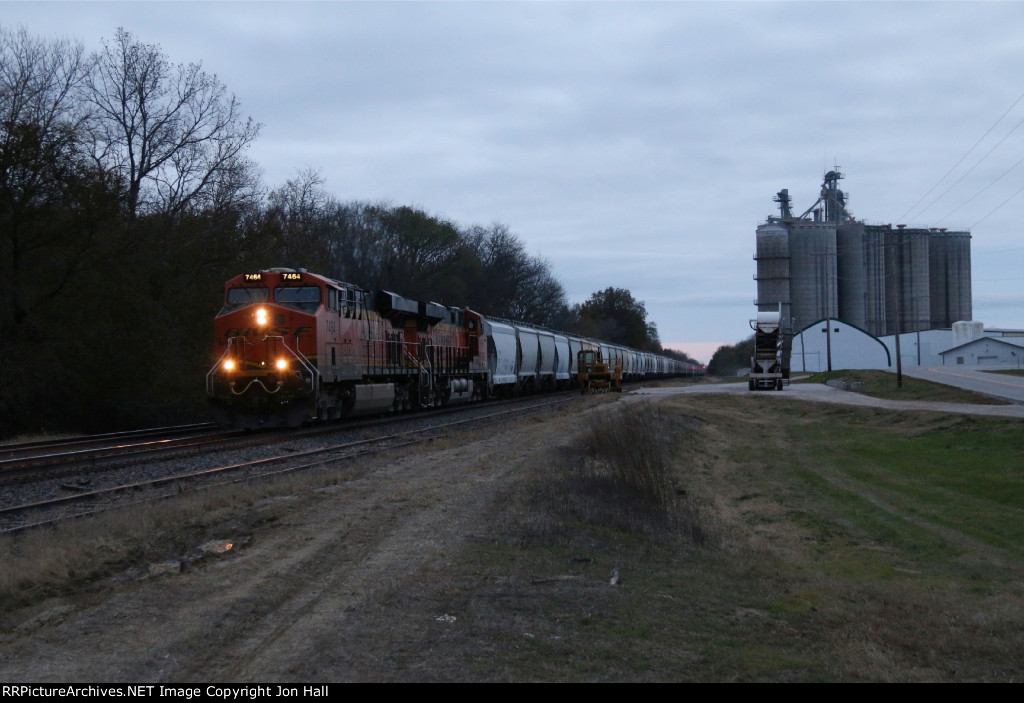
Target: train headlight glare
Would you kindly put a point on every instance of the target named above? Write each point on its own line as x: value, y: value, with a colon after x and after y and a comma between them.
x: 282, y: 364
x: 229, y: 365
x: 261, y: 316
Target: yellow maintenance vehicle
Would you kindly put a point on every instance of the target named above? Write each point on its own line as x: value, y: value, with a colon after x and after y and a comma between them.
x: 595, y: 375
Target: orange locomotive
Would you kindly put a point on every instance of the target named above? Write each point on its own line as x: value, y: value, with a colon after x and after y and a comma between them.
x: 295, y: 346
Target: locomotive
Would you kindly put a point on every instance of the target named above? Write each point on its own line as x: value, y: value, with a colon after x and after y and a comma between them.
x: 294, y: 346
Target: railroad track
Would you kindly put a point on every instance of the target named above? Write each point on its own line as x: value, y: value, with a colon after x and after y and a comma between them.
x: 78, y: 456
x: 15, y: 450
x: 151, y: 483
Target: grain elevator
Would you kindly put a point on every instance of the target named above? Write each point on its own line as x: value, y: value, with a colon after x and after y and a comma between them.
x: 824, y: 264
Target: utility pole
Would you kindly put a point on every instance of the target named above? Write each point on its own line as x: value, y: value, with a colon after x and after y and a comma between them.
x: 823, y: 269
x: 828, y: 341
x: 828, y: 314
x: 899, y: 294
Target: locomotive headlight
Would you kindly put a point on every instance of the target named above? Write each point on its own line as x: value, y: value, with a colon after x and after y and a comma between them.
x: 229, y: 365
x: 281, y: 364
x: 261, y: 316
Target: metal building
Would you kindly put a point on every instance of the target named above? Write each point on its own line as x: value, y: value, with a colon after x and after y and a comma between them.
x: 824, y: 264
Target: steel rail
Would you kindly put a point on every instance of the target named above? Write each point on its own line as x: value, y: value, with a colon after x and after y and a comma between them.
x: 398, y: 439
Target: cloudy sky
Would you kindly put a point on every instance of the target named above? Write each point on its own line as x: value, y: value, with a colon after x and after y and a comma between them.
x: 633, y: 144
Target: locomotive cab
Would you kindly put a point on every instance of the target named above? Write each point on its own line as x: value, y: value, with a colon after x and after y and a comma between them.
x: 293, y: 347
x: 263, y: 334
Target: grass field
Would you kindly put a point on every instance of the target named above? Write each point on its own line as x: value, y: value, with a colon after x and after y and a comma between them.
x: 882, y: 384
x: 1008, y: 372
x: 836, y: 544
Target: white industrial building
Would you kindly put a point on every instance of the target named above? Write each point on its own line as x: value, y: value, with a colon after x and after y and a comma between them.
x: 966, y: 343
x: 987, y: 351
x: 848, y: 346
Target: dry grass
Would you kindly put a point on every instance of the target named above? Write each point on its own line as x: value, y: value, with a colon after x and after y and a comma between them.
x: 837, y: 546
x: 52, y: 561
x: 620, y: 473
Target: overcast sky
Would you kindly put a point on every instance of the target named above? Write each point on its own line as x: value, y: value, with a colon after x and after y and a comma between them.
x: 632, y: 144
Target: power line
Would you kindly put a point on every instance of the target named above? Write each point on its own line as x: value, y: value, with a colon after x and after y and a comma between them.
x: 903, y: 217
x: 976, y: 164
x: 997, y: 207
x: 979, y: 192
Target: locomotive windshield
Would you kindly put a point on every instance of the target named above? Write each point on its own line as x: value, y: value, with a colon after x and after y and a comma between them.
x: 306, y: 298
x: 238, y: 297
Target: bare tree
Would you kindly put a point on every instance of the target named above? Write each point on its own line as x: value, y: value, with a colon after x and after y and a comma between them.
x: 38, y: 78
x: 42, y: 174
x: 173, y: 132
x: 300, y: 212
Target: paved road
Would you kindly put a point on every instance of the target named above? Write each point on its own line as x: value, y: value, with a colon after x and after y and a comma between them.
x: 973, y: 378
x: 826, y: 394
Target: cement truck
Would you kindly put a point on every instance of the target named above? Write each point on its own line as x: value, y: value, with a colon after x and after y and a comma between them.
x: 768, y: 367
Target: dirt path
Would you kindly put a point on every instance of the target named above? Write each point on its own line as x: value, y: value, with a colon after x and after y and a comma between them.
x: 294, y: 600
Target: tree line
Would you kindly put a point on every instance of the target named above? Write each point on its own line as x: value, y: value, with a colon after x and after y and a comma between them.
x: 730, y: 359
x: 127, y: 198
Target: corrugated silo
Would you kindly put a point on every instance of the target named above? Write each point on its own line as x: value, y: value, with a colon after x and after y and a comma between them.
x: 875, y: 286
x: 813, y: 291
x: 950, y: 273
x: 852, y: 268
x: 907, y: 267
x: 938, y: 281
x: 960, y: 281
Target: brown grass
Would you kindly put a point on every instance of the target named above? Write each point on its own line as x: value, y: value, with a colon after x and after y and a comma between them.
x: 50, y: 561
x: 618, y: 474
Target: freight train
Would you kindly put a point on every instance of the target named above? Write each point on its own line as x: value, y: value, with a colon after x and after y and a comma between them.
x: 294, y: 347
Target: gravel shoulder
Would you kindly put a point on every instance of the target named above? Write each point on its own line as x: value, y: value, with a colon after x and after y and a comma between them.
x: 300, y: 585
